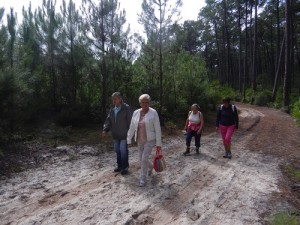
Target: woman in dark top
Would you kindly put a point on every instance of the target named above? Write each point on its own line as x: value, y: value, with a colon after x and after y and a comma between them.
x: 227, y: 121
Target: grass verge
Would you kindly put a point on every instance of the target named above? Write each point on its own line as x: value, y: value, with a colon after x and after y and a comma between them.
x: 284, y: 218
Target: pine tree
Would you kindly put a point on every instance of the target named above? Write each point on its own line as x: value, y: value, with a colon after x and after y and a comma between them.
x: 48, y: 24
x: 3, y: 41
x: 104, y: 30
x: 11, y: 25
x: 72, y: 59
x: 157, y: 17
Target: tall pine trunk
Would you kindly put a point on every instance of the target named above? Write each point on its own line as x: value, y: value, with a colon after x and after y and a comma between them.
x: 226, y: 47
x: 246, y: 52
x: 219, y: 62
x: 278, y: 68
x: 287, y: 72
x: 103, y: 64
x: 240, y: 49
x: 160, y: 62
x: 254, y: 60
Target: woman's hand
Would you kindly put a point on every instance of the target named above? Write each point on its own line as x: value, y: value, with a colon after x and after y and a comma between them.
x: 158, y: 150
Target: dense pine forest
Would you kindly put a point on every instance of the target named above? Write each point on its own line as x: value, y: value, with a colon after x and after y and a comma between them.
x: 64, y: 64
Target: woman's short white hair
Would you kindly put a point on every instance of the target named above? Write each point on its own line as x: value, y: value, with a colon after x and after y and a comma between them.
x: 144, y: 96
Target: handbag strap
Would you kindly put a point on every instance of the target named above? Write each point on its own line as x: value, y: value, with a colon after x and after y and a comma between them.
x: 158, y: 152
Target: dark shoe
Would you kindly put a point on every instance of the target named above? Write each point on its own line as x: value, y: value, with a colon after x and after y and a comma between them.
x: 187, y: 151
x: 150, y: 172
x: 116, y: 170
x: 197, y: 151
x: 229, y: 155
x: 124, y: 172
x: 225, y: 155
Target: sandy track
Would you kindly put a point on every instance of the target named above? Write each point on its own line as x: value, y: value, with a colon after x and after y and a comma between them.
x: 77, y: 188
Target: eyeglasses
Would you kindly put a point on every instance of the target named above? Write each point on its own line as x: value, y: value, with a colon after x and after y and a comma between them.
x: 145, y: 102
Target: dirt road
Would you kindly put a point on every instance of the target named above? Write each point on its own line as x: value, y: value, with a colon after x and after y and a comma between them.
x: 76, y: 184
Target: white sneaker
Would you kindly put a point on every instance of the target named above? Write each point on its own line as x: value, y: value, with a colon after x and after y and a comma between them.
x: 142, y: 183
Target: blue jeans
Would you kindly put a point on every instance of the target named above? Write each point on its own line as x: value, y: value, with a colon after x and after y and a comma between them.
x: 121, y: 150
x: 189, y: 136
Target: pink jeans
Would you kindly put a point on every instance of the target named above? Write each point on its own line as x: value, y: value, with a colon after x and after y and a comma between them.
x: 226, y: 132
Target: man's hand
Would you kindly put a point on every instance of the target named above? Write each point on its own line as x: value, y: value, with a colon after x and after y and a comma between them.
x: 104, y: 134
x: 129, y: 145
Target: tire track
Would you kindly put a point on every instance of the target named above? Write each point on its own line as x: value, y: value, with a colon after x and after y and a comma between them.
x: 186, y: 204
x: 199, y: 189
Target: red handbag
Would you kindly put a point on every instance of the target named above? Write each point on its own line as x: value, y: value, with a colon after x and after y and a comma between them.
x: 159, y: 163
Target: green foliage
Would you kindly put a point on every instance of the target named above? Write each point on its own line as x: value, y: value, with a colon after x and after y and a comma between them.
x: 296, y: 111
x: 174, y: 111
x: 1, y: 152
x: 8, y: 87
x: 65, y: 64
x: 263, y: 98
x: 107, y: 40
x: 190, y: 77
x: 61, y: 132
x: 283, y: 219
x: 171, y: 127
x: 8, y: 90
x: 279, y: 97
x: 293, y: 172
x: 185, y: 82
x: 249, y: 96
x: 3, y: 45
x: 294, y: 95
x: 217, y: 92
x: 278, y: 100
x: 75, y: 116
x: 3, y: 140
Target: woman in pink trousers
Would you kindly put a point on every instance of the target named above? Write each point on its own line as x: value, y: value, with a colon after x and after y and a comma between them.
x: 227, y: 122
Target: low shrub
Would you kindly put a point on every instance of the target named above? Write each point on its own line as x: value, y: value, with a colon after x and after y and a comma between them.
x: 72, y: 117
x: 263, y: 98
x: 284, y: 218
x: 218, y: 92
x: 296, y: 111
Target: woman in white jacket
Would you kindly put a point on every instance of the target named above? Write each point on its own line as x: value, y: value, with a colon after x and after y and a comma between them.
x: 145, y: 126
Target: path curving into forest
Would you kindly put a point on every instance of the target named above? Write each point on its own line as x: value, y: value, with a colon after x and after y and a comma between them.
x: 76, y: 184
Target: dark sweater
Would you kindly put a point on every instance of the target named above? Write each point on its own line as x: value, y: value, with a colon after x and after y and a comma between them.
x: 118, y: 125
x: 227, y: 117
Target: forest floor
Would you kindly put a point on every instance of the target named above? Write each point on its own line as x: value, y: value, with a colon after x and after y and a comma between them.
x: 75, y: 184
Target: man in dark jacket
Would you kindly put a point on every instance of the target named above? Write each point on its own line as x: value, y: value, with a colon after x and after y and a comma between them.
x: 118, y: 122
